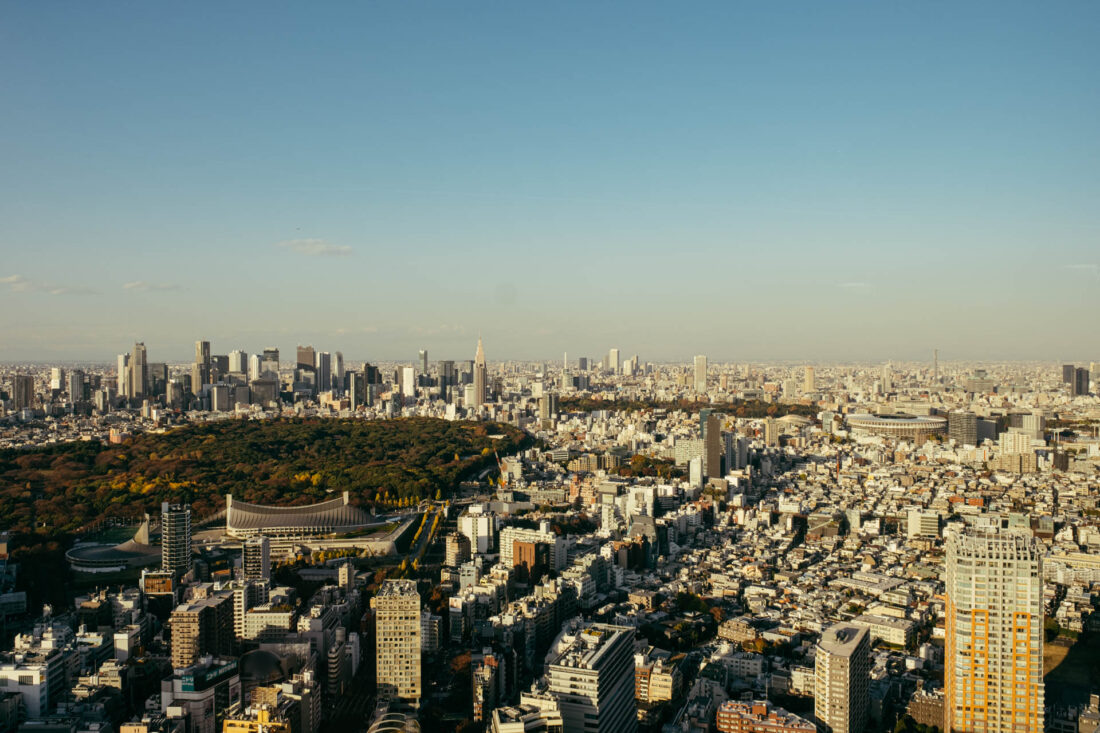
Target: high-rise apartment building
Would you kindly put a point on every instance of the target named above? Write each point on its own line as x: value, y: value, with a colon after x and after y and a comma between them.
x: 592, y: 676
x: 256, y: 558
x: 22, y: 391
x: 887, y: 378
x: 456, y: 549
x: 175, y: 542
x: 397, y: 630
x: 809, y: 380
x: 481, y: 376
x: 842, y: 679
x: 962, y: 427
x: 993, y: 677
x: 202, y: 627
x: 701, y: 374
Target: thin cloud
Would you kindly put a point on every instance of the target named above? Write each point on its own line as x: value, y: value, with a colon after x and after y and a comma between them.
x: 1084, y: 267
x: 140, y: 286
x: 20, y: 284
x: 316, y: 248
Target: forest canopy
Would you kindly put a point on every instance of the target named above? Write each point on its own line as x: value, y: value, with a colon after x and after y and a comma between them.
x: 64, y: 488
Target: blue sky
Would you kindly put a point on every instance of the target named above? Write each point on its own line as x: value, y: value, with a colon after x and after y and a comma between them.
x: 751, y: 181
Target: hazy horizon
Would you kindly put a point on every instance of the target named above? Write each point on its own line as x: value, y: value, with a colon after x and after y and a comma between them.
x: 808, y: 181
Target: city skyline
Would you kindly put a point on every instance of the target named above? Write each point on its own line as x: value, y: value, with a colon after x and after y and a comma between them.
x: 740, y: 181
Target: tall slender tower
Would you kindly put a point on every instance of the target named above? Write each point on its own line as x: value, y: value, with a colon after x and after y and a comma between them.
x: 480, y: 375
x: 935, y: 365
x: 200, y: 372
x: 123, y: 373
x: 701, y: 374
x: 993, y: 675
x: 842, y: 679
x: 397, y: 630
x: 175, y: 538
x: 139, y: 372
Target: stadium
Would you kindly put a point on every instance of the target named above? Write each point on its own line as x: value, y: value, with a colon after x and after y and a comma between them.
x: 294, y: 523
x: 134, y: 553
x: 910, y: 427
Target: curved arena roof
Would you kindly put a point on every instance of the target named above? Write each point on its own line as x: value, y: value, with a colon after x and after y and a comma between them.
x: 133, y: 553
x: 898, y: 425
x: 329, y: 517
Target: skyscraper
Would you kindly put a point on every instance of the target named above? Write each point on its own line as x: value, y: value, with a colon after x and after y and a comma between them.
x: 448, y: 377
x: 422, y: 357
x: 613, y: 360
x: 122, y: 374
x: 700, y: 374
x: 1080, y: 382
x: 887, y: 378
x: 397, y: 636
x: 408, y: 382
x: 323, y: 365
x: 481, y: 375
x: 256, y: 558
x: 139, y: 373
x: 338, y: 371
x: 712, y: 446
x: 22, y: 391
x: 592, y: 676
x: 200, y: 372
x: 1068, y: 371
x: 57, y: 379
x: 306, y: 357
x: 76, y: 385
x: 993, y: 676
x: 809, y: 381
x: 238, y: 361
x: 842, y: 679
x: 270, y: 363
x: 935, y: 365
x: 175, y: 542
